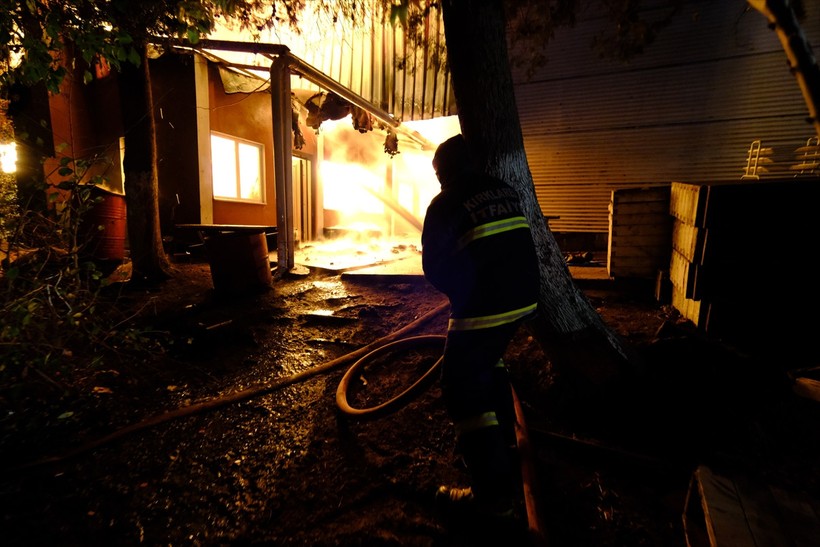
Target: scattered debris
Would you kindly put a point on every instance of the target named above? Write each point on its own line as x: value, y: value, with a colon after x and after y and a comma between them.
x: 584, y: 257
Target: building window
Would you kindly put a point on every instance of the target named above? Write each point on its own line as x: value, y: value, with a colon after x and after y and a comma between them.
x: 237, y: 169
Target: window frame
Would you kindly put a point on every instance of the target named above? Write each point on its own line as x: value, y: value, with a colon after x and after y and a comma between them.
x: 237, y: 142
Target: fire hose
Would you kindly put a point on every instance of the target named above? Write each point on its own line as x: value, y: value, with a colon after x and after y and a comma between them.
x: 233, y: 397
x: 536, y: 531
x: 402, y: 398
x: 386, y: 344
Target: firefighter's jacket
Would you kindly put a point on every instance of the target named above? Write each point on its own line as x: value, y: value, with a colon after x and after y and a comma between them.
x: 477, y: 249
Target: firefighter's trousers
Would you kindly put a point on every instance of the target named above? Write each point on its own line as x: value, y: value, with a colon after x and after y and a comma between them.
x: 477, y: 394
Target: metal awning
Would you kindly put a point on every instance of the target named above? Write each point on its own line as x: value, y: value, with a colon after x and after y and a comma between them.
x: 280, y: 65
x: 210, y: 49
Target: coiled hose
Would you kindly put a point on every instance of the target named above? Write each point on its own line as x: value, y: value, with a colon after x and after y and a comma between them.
x: 402, y: 398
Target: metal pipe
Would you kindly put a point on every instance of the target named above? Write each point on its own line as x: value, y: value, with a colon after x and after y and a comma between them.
x: 280, y: 96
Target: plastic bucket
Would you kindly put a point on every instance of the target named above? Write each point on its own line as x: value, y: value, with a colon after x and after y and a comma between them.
x: 239, y: 262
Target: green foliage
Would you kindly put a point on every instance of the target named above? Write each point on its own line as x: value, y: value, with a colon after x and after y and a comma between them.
x: 38, y: 30
x: 634, y: 27
x: 58, y: 311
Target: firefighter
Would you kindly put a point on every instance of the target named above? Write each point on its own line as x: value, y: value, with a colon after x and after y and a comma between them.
x: 477, y: 249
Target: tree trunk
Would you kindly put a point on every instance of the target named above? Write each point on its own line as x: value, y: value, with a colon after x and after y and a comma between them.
x: 149, y: 263
x: 802, y: 62
x: 570, y: 331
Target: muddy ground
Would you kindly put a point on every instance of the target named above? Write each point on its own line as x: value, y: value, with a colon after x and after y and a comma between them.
x: 234, y: 436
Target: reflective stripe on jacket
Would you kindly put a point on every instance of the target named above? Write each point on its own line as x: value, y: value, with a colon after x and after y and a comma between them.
x: 473, y: 323
x: 487, y: 419
x: 492, y: 228
x: 477, y: 249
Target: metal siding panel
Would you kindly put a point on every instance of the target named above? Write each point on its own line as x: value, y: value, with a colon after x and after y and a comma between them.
x: 698, y: 30
x: 418, y: 84
x: 686, y: 110
x: 366, y: 61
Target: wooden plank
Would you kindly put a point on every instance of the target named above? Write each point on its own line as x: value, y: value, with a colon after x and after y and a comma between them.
x: 626, y: 219
x: 644, y: 247
x: 635, y: 266
x: 643, y: 194
x: 725, y: 520
x: 660, y: 231
x: 633, y: 271
x: 687, y: 202
x: 636, y: 262
x: 694, y: 523
x: 688, y: 308
x: 640, y: 261
x: 699, y: 278
x: 652, y: 208
x: 640, y: 230
x: 736, y: 511
x: 687, y: 240
x: 680, y: 273
x: 640, y: 237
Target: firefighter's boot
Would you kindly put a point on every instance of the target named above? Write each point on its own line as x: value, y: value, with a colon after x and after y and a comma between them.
x: 486, y: 457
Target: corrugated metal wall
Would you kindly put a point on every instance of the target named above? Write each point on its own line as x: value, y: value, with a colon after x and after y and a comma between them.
x: 687, y: 110
x: 377, y: 62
